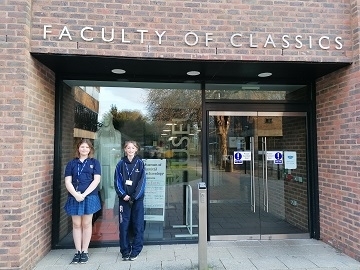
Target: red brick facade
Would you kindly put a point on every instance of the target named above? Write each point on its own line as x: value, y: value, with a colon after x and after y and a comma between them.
x: 221, y: 18
x: 26, y: 145
x: 338, y: 115
x: 27, y: 88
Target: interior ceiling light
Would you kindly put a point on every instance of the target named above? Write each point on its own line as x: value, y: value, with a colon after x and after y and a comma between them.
x: 193, y: 73
x: 118, y: 71
x: 265, y: 74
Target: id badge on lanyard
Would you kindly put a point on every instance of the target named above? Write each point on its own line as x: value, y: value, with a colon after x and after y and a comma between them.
x: 129, y: 182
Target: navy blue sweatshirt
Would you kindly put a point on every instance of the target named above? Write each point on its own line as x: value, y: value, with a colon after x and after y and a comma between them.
x: 130, y: 178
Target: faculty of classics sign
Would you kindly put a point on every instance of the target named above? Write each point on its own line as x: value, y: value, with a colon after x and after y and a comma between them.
x: 191, y: 38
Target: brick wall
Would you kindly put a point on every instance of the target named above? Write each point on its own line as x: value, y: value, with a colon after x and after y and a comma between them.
x: 26, y: 144
x: 295, y: 140
x: 338, y: 129
x: 338, y: 116
x: 221, y: 18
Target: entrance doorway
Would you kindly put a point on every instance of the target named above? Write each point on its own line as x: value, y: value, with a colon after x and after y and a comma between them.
x: 257, y: 176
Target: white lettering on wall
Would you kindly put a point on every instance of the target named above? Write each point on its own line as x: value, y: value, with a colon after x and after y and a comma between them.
x: 123, y: 37
x: 103, y: 35
x: 160, y: 35
x: 195, y: 37
x: 82, y: 33
x: 142, y: 35
x: 339, y: 44
x: 46, y: 26
x: 191, y: 38
x: 252, y: 45
x: 65, y: 32
x: 298, y: 42
x: 286, y: 43
x: 269, y: 40
x: 207, y: 39
x: 232, y: 42
x: 321, y: 43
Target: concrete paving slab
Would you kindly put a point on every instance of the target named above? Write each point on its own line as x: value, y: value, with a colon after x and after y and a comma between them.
x: 291, y: 254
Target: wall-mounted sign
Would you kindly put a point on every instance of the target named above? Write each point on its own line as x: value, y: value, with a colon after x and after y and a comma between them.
x: 191, y: 38
x: 290, y: 160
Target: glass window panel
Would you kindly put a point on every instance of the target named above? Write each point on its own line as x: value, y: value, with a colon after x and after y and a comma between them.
x: 256, y: 92
x: 165, y: 119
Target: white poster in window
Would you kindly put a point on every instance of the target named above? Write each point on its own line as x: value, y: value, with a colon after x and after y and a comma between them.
x: 154, y: 201
x: 290, y: 160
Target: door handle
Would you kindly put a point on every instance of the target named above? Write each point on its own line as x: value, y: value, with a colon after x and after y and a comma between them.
x: 265, y: 176
x: 252, y: 174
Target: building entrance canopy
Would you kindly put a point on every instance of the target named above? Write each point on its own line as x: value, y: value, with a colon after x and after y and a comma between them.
x: 140, y: 69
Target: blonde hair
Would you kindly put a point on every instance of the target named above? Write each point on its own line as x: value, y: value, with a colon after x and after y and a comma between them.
x: 133, y: 142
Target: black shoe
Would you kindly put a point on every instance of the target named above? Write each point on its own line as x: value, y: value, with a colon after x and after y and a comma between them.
x: 76, y: 258
x: 133, y: 257
x: 126, y: 257
x: 84, y: 257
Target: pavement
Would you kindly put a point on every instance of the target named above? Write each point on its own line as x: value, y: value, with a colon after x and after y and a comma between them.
x: 304, y: 254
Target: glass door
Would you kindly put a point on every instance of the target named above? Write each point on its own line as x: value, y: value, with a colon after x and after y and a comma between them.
x: 257, y: 175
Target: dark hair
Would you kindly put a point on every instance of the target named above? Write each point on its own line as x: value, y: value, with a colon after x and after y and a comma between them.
x: 88, y: 142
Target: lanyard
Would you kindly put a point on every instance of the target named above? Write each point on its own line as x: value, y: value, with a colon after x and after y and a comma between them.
x: 79, y: 172
x: 78, y: 168
x: 127, y: 169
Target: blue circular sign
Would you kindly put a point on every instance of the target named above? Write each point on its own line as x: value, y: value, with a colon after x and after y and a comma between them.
x: 238, y: 155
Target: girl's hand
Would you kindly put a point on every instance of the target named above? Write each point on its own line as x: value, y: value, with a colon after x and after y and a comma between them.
x: 79, y: 197
x: 127, y: 198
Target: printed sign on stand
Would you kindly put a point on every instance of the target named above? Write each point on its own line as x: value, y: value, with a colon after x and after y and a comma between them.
x: 154, y: 201
x: 276, y: 156
x: 240, y: 156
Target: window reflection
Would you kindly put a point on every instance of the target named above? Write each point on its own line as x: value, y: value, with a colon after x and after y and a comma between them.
x: 254, y: 91
x: 166, y: 121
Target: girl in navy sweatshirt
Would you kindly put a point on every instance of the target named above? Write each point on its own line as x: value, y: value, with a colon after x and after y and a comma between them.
x: 129, y: 183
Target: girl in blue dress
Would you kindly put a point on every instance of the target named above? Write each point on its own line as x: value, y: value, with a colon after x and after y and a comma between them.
x: 82, y: 178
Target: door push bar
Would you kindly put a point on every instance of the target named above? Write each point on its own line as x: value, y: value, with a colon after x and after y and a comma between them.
x: 264, y: 175
x: 252, y: 175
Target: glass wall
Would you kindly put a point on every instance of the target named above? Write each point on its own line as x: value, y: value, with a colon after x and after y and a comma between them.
x: 165, y: 119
